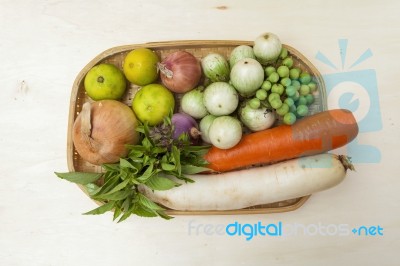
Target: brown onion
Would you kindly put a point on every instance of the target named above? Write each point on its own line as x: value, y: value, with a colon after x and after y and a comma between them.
x: 102, y: 129
x: 180, y: 71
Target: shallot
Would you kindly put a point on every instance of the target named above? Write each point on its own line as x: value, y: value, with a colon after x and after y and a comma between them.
x: 184, y: 123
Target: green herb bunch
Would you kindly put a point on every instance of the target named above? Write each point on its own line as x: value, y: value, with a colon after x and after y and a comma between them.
x: 152, y: 163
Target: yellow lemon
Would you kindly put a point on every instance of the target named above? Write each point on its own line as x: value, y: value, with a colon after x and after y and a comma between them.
x: 140, y: 66
x: 105, y: 81
x: 152, y: 103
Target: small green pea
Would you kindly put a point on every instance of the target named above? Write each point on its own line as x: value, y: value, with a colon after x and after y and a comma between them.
x: 302, y: 110
x: 305, y: 78
x: 286, y: 81
x: 273, y: 77
x: 288, y: 61
x: 276, y: 103
x: 292, y: 108
x: 310, y: 99
x: 273, y: 96
x: 266, y: 85
x: 283, y: 71
x: 278, y: 88
x: 289, y: 101
x: 254, y: 103
x: 261, y: 94
x: 313, y: 86
x: 284, y: 53
x: 283, y: 109
x: 304, y: 90
x: 294, y: 73
x: 301, y: 101
x: 289, y: 118
x: 296, y: 96
x: 296, y: 84
x: 290, y: 91
x: 269, y: 70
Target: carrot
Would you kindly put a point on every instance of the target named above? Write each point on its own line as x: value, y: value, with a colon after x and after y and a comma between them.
x: 311, y: 135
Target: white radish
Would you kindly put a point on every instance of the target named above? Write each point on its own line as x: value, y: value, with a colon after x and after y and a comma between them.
x: 259, y: 185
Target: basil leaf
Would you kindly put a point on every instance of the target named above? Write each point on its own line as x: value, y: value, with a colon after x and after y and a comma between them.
x: 111, y: 167
x: 140, y: 129
x: 145, y: 160
x: 186, y: 179
x: 126, y: 204
x: 135, y: 165
x: 143, y: 211
x: 135, y: 148
x: 119, y: 195
x: 137, y: 162
x: 118, y: 187
x: 147, y: 144
x: 167, y: 166
x: 91, y: 188
x: 147, y: 174
x: 163, y: 215
x: 125, y: 164
x: 157, y: 150
x: 117, y: 212
x: 195, y: 149
x: 81, y: 178
x: 177, y: 158
x: 192, y: 169
x: 125, y: 216
x: 143, y: 200
x: 158, y: 182
x: 108, y: 185
x: 102, y: 209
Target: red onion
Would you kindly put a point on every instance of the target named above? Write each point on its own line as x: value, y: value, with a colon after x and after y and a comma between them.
x: 184, y: 123
x: 180, y: 71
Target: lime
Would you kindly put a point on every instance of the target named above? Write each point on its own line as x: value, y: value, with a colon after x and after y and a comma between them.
x: 140, y: 66
x: 152, y: 103
x: 105, y: 81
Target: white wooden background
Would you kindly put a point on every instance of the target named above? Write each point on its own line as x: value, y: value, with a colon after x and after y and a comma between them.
x: 44, y: 44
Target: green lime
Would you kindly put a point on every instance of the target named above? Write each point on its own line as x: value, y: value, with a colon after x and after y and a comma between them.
x: 105, y: 81
x: 152, y: 103
x: 140, y: 66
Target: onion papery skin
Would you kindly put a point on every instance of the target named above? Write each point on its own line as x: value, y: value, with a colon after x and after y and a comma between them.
x: 180, y: 71
x: 102, y: 129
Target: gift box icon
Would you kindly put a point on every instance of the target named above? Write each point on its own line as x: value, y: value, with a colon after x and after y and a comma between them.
x: 356, y: 91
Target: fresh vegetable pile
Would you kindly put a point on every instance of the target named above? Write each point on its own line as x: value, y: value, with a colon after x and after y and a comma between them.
x: 192, y: 119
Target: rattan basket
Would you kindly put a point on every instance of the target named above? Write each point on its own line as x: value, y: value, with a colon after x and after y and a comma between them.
x: 199, y: 49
